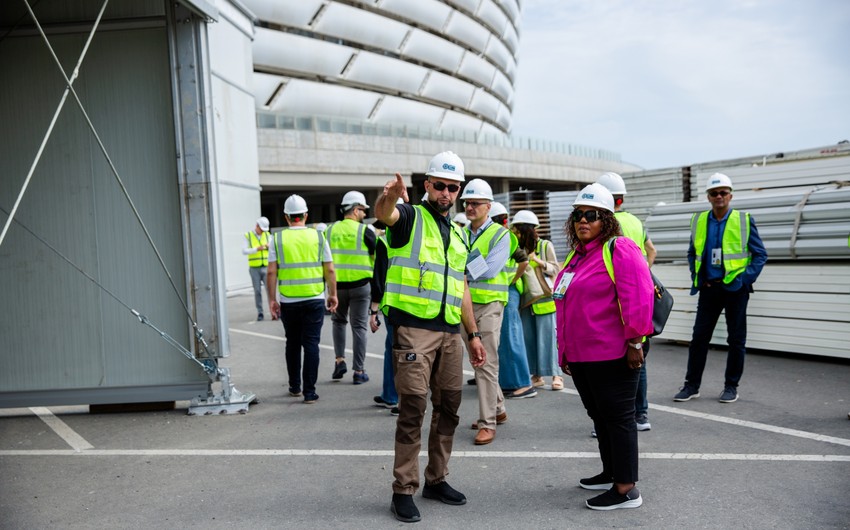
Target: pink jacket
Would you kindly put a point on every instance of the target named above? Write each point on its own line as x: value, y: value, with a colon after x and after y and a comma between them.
x: 589, y: 326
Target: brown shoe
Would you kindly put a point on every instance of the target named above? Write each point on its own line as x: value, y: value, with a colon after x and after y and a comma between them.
x: 500, y: 419
x: 485, y: 436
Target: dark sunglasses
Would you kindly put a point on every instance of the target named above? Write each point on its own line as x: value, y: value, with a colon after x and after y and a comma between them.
x: 715, y: 193
x: 590, y: 215
x: 440, y: 186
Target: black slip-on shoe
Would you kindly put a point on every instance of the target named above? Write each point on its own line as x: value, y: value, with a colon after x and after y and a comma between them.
x: 404, y: 509
x: 444, y: 493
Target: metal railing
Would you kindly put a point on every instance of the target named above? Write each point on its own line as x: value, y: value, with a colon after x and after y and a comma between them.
x: 332, y: 124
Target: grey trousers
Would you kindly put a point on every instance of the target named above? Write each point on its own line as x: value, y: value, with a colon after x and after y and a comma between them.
x: 258, y: 277
x: 354, y: 307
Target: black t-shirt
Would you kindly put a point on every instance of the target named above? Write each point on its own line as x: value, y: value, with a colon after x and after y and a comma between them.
x: 398, y: 236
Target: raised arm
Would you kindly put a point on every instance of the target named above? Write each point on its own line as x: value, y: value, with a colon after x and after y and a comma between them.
x: 385, y: 209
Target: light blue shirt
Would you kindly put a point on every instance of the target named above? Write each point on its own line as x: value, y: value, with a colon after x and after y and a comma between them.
x: 498, y: 257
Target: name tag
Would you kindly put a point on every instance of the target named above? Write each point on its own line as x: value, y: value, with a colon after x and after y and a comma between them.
x: 476, y: 265
x: 716, y: 257
x: 561, y: 289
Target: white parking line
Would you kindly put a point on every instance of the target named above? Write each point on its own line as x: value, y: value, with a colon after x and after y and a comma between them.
x: 77, y: 442
x: 389, y: 454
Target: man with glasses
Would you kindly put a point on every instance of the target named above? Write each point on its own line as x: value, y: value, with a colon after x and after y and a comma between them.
x: 426, y: 298
x: 726, y: 256
x: 489, y: 250
x: 353, y: 249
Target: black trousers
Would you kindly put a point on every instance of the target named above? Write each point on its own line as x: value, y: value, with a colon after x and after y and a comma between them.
x: 712, y: 301
x: 607, y: 390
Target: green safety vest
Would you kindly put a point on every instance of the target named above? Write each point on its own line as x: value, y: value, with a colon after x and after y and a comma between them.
x: 496, y: 288
x: 545, y: 305
x: 736, y: 235
x: 261, y: 258
x: 511, y: 266
x: 632, y: 229
x: 299, y: 257
x: 348, y: 248
x: 423, y: 276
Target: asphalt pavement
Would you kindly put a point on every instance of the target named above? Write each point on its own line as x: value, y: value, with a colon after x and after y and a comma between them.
x: 777, y: 458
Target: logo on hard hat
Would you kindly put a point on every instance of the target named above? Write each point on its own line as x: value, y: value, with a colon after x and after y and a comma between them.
x: 449, y: 167
x: 586, y: 195
x: 715, y: 181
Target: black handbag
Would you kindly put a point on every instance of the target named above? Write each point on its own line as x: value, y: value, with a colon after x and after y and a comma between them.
x: 663, y: 300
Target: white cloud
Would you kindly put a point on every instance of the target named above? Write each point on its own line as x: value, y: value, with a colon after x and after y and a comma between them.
x: 671, y: 83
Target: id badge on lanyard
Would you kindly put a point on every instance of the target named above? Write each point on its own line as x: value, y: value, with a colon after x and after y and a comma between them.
x: 561, y: 289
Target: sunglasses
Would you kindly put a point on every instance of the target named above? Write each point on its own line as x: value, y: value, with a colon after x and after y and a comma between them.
x: 472, y: 204
x: 440, y: 186
x: 715, y: 193
x: 590, y: 215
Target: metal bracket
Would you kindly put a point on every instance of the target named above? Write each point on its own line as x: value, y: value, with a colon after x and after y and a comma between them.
x: 228, y: 401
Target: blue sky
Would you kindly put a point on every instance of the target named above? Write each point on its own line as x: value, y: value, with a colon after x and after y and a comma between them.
x: 677, y: 82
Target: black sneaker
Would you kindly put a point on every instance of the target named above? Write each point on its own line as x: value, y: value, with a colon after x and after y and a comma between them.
x: 642, y: 422
x: 729, y: 395
x: 599, y: 482
x: 471, y: 382
x: 381, y: 402
x: 394, y: 411
x: 294, y: 392
x: 611, y: 500
x: 444, y: 493
x: 310, y: 398
x: 339, y: 370
x: 360, y: 378
x: 259, y: 317
x: 687, y: 393
x: 404, y: 508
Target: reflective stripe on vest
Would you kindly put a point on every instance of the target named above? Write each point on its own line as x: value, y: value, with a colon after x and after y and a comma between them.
x: 633, y: 229
x: 496, y: 288
x: 348, y: 248
x: 736, y: 235
x: 545, y: 305
x: 299, y: 260
x: 261, y: 258
x: 424, y: 276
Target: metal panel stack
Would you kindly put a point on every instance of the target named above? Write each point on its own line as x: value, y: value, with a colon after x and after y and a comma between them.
x: 802, y: 210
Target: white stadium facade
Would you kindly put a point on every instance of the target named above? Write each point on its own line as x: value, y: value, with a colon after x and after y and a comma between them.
x: 348, y: 92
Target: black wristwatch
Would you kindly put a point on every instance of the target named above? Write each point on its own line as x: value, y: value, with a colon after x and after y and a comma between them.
x: 373, y: 312
x: 473, y: 335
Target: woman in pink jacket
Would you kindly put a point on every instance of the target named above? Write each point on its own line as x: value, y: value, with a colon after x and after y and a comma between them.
x: 599, y: 339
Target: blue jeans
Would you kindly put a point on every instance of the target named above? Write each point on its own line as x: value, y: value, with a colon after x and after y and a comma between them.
x: 712, y: 301
x: 539, y: 334
x: 302, y: 325
x: 513, y: 359
x: 607, y: 390
x: 388, y: 393
x: 641, y: 403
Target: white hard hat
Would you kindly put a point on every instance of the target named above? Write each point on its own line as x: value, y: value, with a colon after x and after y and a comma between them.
x: 446, y: 165
x: 295, y: 204
x: 477, y: 189
x: 497, y: 208
x: 353, y: 198
x: 595, y: 195
x: 718, y: 180
x: 525, y: 217
x: 613, y: 182
x: 461, y: 219
x: 263, y: 222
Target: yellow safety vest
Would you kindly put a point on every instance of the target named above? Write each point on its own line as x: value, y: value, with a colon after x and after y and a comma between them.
x: 299, y: 257
x: 348, y: 248
x: 424, y: 276
x: 736, y: 235
x: 632, y: 229
x: 545, y: 305
x: 261, y: 258
x: 511, y: 266
x: 496, y: 288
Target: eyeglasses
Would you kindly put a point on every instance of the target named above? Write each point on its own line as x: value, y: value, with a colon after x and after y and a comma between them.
x: 715, y: 193
x: 440, y: 186
x: 364, y: 210
x: 472, y: 204
x: 590, y: 215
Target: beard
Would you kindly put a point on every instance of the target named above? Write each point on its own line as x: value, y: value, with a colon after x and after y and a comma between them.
x: 443, y: 209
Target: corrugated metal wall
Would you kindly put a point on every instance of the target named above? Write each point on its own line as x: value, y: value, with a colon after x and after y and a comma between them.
x: 62, y: 336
